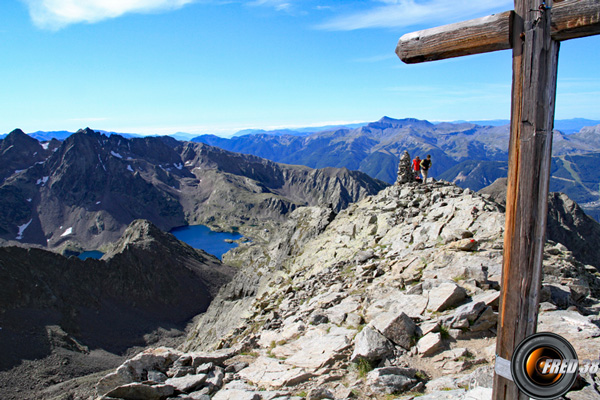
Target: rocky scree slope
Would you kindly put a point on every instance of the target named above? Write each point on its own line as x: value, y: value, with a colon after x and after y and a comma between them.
x: 150, y: 280
x: 83, y: 194
x: 394, y: 297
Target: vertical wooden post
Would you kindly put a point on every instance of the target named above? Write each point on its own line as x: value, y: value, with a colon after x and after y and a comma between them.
x: 535, y: 62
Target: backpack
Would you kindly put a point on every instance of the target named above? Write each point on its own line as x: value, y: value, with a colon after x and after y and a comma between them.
x: 426, y: 163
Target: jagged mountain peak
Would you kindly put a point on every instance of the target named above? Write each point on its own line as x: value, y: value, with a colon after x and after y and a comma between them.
x: 87, y: 131
x: 18, y: 153
x: 16, y: 131
x: 18, y: 136
x: 387, y: 122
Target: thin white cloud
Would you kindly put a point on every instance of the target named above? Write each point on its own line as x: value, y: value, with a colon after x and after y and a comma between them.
x: 279, y: 5
x: 56, y: 14
x: 404, y: 13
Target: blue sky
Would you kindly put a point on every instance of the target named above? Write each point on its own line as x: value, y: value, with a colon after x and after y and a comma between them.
x: 210, y: 66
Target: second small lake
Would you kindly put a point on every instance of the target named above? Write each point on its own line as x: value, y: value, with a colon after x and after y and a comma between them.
x: 201, y: 237
x: 95, y: 254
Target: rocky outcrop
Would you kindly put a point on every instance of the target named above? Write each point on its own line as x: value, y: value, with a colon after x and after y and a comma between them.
x: 149, y: 281
x: 396, y: 294
x: 567, y: 224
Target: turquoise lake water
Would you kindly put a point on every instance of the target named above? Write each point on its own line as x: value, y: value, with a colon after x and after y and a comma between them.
x: 201, y: 237
x: 197, y: 236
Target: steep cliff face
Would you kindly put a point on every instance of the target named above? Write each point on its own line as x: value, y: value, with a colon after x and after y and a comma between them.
x: 89, y: 189
x: 149, y: 280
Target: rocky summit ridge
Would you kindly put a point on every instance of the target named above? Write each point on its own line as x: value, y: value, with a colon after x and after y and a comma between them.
x: 392, y: 298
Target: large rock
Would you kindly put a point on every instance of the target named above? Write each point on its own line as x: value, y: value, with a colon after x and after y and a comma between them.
x: 337, y: 314
x: 136, y: 368
x: 320, y: 394
x: 390, y: 380
x: 444, y: 296
x: 269, y: 372
x: 140, y: 391
x: 412, y: 304
x: 236, y: 394
x: 187, y: 383
x: 371, y: 345
x: 317, y: 350
x: 465, y: 315
x: 399, y: 328
x: 488, y: 319
x: 429, y: 344
x: 214, y: 380
x: 216, y: 356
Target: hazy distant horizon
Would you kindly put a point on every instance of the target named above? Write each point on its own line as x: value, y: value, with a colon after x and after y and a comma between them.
x: 579, y: 121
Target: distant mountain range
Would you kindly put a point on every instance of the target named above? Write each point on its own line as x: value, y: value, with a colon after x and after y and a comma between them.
x: 566, y: 126
x: 467, y: 154
x: 84, y: 191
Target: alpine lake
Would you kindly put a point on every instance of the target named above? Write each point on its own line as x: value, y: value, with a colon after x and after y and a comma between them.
x: 197, y: 236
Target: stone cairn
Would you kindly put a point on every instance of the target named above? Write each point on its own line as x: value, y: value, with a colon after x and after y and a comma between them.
x: 405, y: 173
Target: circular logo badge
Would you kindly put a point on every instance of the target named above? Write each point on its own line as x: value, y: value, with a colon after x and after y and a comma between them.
x: 544, y: 366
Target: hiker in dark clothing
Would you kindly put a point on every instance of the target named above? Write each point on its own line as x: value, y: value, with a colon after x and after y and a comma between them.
x: 425, y: 165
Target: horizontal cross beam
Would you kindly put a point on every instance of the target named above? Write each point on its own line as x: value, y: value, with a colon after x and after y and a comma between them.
x: 570, y: 19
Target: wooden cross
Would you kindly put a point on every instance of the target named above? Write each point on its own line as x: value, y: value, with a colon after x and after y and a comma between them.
x: 533, y: 31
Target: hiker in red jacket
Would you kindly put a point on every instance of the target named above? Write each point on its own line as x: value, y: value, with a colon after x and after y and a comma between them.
x: 416, y: 166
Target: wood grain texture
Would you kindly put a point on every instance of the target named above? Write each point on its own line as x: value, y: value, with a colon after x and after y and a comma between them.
x: 535, y: 63
x: 574, y: 19
x: 570, y: 19
x: 479, y: 35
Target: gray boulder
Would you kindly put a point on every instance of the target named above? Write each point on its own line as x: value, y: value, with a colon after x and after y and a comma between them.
x: 390, y: 380
x: 371, y: 345
x: 140, y: 391
x: 444, y: 296
x: 399, y: 328
x: 187, y: 383
x: 429, y: 344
